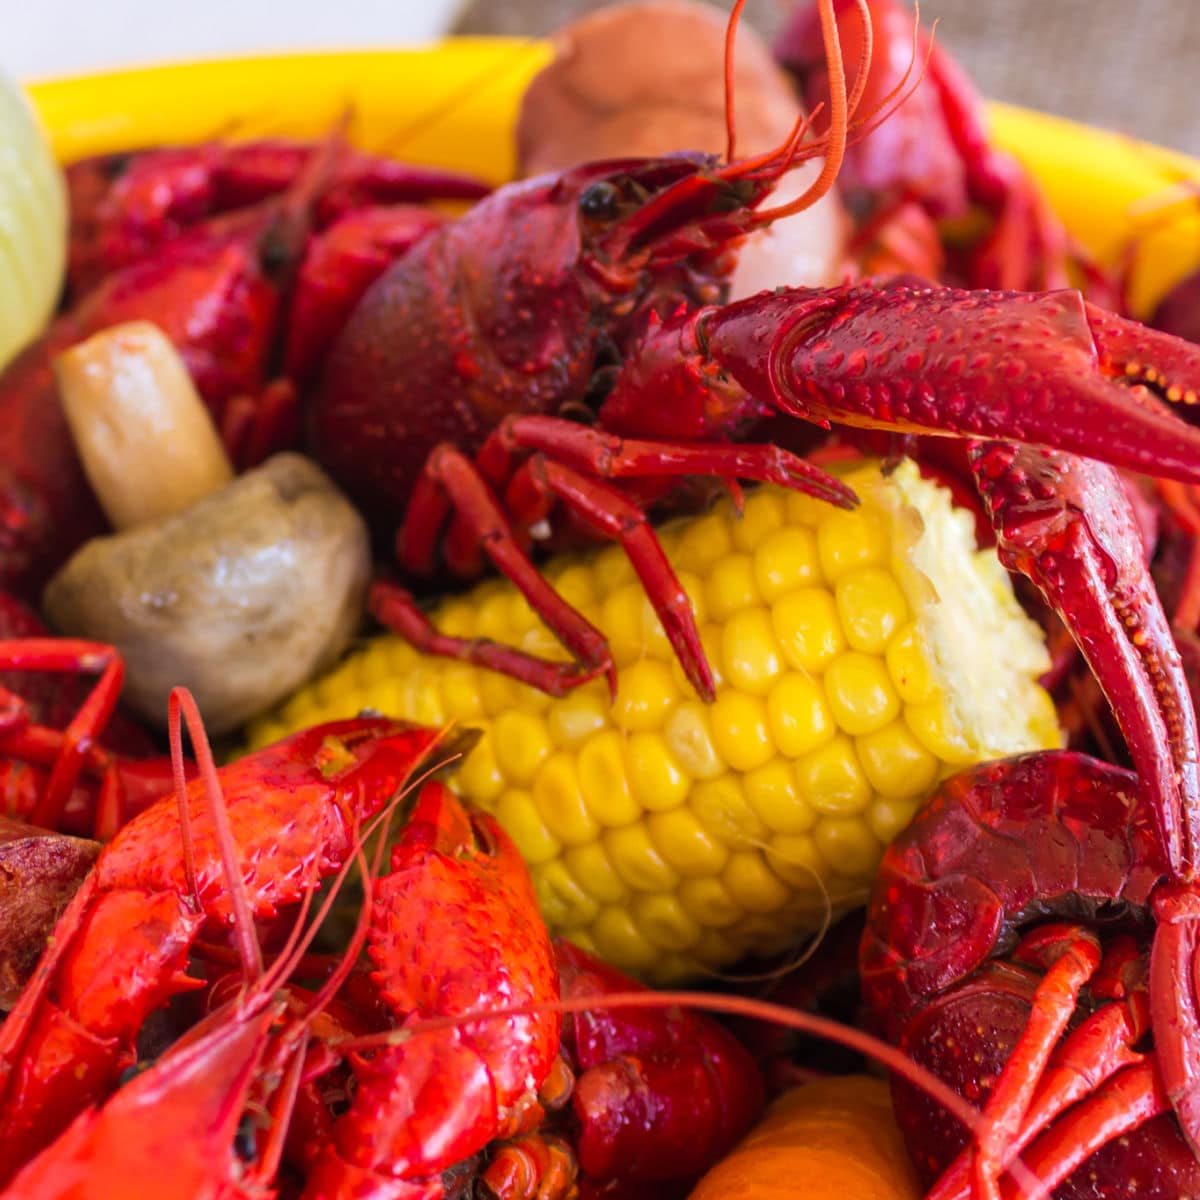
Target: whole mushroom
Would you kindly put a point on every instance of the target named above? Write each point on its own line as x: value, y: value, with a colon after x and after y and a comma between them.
x: 240, y: 595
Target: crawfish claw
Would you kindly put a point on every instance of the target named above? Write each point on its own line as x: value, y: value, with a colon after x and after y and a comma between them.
x: 1042, y: 368
x: 1067, y: 524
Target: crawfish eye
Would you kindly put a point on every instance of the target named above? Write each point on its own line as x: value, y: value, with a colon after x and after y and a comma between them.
x: 599, y: 201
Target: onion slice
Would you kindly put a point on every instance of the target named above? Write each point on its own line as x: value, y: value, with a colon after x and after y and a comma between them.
x: 33, y: 224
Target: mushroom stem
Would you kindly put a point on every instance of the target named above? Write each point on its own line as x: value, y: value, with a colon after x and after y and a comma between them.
x: 146, y: 440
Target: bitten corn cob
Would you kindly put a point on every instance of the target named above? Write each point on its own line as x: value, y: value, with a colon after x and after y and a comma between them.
x: 858, y: 655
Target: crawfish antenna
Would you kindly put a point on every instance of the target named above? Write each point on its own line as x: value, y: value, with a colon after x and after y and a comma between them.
x: 181, y: 707
x: 730, y: 122
x: 841, y: 109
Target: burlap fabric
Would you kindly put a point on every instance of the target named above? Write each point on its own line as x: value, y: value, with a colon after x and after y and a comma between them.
x: 1128, y: 67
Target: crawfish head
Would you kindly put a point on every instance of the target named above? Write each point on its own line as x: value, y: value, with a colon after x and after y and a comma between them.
x: 506, y: 309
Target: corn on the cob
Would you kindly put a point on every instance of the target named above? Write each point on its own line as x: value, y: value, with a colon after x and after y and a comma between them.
x: 859, y: 656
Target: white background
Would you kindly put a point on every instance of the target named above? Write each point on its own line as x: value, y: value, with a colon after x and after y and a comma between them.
x: 40, y: 38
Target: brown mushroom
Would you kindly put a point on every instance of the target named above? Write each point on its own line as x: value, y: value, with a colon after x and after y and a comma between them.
x: 241, y: 597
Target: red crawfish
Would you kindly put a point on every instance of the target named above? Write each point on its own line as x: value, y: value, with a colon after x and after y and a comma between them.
x: 578, y: 295
x: 199, y: 1094
x: 120, y: 949
x: 1006, y: 950
x: 1040, y: 368
x: 1004, y: 847
x: 454, y: 929
x: 932, y: 161
x: 127, y: 206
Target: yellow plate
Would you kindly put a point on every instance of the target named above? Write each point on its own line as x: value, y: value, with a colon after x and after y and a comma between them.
x: 454, y: 104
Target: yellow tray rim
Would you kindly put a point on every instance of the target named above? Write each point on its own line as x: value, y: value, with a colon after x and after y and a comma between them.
x: 453, y: 103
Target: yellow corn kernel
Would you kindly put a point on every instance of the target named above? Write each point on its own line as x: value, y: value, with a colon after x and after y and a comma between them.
x: 459, y: 685
x: 774, y: 794
x: 656, y: 779
x: 574, y: 718
x: 895, y: 763
x: 595, y: 873
x: 554, y: 909
x: 688, y: 734
x: 847, y: 845
x: 479, y: 776
x: 611, y: 569
x: 516, y: 811
x: 740, y: 731
x: 583, y: 939
x: 832, y: 780
x: 858, y: 657
x: 763, y: 513
x: 618, y: 940
x: 721, y: 806
x: 708, y: 900
x: 522, y: 744
x: 871, y: 608
x: 576, y: 905
x: 860, y: 693
x: 686, y: 844
x: 663, y: 920
x: 492, y: 613
x: 936, y: 727
x: 574, y: 583
x: 559, y: 798
x: 603, y: 781
x: 799, y: 716
x: 456, y: 618
x: 807, y: 626
x: 638, y: 861
x: 646, y: 693
x: 846, y: 540
x: 909, y: 666
x: 753, y: 884
x: 749, y: 651
x: 498, y: 693
x: 705, y: 541
x: 796, y: 860
x: 621, y: 615
x: 785, y: 561
x: 731, y: 587
x: 888, y: 816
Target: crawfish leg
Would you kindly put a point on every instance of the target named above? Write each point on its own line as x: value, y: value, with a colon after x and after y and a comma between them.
x: 1126, y: 1101
x: 50, y: 654
x: 451, y: 483
x: 611, y: 513
x: 611, y: 457
x: 1074, y: 956
x: 1089, y: 1056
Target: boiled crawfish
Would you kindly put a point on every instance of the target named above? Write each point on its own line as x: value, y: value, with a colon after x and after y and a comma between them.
x: 464, y: 429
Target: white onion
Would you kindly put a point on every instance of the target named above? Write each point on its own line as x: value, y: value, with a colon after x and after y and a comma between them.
x: 33, y: 224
